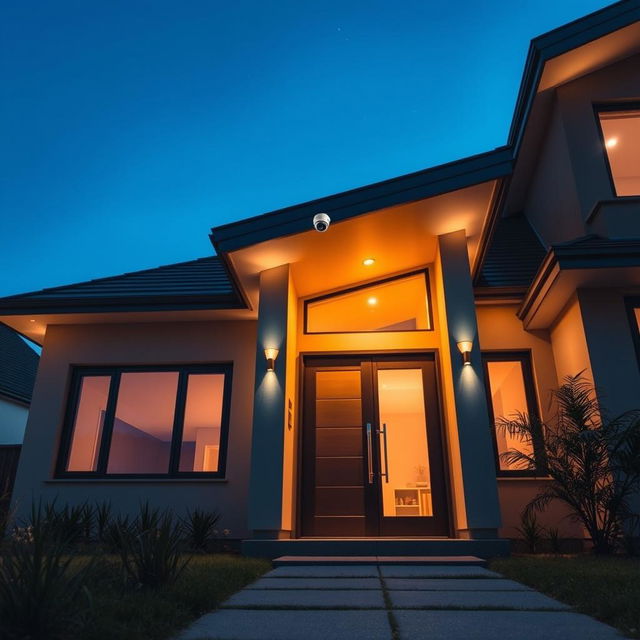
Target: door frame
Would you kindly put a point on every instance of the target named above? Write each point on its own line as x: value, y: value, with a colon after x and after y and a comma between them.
x: 398, y: 354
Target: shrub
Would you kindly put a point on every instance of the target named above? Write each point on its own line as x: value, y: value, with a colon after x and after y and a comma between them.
x: 530, y: 530
x: 199, y: 528
x: 593, y: 462
x: 103, y: 514
x: 43, y: 594
x: 553, y: 535
x: 151, y: 549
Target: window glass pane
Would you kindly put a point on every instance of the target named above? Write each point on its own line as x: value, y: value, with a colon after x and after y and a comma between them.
x: 200, y: 449
x: 508, y: 397
x: 398, y: 305
x: 621, y: 130
x: 143, y: 424
x: 89, y: 420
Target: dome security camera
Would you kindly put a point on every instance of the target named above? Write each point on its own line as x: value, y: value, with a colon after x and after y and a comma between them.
x: 321, y: 222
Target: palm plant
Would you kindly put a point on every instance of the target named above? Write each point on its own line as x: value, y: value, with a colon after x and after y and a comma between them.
x: 530, y: 530
x: 593, y: 461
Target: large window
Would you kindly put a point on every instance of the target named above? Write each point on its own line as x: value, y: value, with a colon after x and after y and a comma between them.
x: 510, y: 392
x: 621, y: 138
x: 396, y: 304
x: 134, y: 421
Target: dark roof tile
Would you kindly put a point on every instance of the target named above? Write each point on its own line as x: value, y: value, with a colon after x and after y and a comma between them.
x: 18, y: 366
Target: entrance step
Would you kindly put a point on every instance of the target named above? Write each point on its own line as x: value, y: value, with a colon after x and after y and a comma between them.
x: 376, y: 547
x: 449, y: 561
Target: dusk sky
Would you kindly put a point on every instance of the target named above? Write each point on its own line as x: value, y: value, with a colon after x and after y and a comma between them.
x: 128, y: 128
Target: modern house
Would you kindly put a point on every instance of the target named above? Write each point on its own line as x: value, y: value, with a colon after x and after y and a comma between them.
x: 345, y: 383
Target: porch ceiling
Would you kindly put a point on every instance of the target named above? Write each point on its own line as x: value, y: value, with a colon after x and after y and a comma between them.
x: 398, y: 238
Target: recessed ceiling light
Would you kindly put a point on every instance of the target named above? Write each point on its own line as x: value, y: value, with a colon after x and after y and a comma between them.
x: 611, y: 142
x: 372, y: 301
x: 367, y: 262
x: 32, y: 320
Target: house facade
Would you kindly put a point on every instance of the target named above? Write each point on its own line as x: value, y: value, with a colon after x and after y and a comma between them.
x: 344, y: 383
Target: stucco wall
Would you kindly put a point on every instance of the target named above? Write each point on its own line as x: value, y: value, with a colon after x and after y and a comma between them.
x: 501, y: 330
x: 13, y: 419
x: 140, y: 344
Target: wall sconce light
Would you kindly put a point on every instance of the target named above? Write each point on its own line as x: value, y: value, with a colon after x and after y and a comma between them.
x: 271, y: 355
x: 465, y: 349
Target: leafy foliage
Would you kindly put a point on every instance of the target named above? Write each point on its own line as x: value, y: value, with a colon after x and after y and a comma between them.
x: 41, y: 595
x: 200, y: 529
x: 530, y: 530
x: 593, y: 462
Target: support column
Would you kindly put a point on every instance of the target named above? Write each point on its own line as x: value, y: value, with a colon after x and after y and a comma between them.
x: 472, y: 416
x: 267, y: 440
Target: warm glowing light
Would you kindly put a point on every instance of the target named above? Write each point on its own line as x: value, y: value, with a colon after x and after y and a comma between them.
x: 271, y: 354
x: 465, y: 346
x: 372, y: 301
x: 367, y: 262
x: 611, y: 142
x: 32, y: 320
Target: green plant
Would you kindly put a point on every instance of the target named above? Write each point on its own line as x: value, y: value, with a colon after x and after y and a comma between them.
x: 553, y: 535
x: 530, y: 530
x: 151, y: 550
x: 103, y: 514
x: 593, y: 461
x: 43, y: 594
x: 70, y: 523
x: 199, y: 528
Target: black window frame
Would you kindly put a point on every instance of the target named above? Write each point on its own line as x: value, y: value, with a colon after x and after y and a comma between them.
x: 632, y: 303
x: 366, y: 285
x: 115, y: 373
x: 612, y: 107
x: 524, y: 358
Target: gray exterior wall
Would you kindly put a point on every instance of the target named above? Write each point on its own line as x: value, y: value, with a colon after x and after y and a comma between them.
x: 142, y: 344
x: 13, y: 420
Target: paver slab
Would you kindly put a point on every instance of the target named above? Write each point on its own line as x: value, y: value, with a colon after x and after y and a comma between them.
x: 234, y: 624
x: 515, y: 625
x: 396, y: 571
x: 362, y: 571
x: 453, y: 584
x: 336, y: 598
x: 318, y: 583
x: 474, y: 600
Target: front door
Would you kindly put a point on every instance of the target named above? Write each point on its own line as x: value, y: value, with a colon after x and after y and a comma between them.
x: 372, y: 455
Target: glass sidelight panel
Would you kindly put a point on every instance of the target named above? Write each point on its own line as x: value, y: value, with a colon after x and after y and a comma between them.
x: 404, y: 459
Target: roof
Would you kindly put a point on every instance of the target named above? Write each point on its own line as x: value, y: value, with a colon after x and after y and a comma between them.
x: 197, y: 284
x: 514, y: 255
x: 18, y: 366
x: 380, y: 195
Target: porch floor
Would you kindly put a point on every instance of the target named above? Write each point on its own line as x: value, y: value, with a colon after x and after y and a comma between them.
x: 386, y: 602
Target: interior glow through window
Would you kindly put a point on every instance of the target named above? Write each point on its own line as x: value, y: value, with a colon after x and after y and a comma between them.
x: 621, y: 132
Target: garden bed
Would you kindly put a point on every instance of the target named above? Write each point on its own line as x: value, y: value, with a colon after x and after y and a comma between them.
x: 607, y: 588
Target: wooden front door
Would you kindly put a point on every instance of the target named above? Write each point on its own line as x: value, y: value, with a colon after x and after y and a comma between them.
x: 372, y: 454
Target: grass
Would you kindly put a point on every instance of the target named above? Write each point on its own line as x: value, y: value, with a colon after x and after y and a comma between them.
x: 158, y: 614
x: 607, y: 588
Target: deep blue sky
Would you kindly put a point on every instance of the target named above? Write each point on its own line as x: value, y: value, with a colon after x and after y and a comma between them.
x: 128, y: 127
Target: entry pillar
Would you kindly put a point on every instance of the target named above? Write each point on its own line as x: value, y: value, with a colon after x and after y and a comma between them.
x: 267, y: 439
x: 479, y: 485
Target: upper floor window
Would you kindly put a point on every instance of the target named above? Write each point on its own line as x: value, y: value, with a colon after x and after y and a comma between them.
x: 621, y: 135
x: 133, y: 421
x: 510, y: 393
x: 400, y: 303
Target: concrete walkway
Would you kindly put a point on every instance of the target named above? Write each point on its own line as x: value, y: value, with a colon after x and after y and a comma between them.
x: 389, y: 602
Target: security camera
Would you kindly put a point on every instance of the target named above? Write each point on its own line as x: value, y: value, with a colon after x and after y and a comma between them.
x: 321, y: 222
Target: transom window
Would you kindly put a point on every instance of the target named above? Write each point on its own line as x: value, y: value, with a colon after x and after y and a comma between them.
x: 395, y: 304
x: 621, y: 136
x: 133, y: 421
x: 510, y: 391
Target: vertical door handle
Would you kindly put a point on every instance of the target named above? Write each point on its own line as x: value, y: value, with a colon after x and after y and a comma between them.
x: 383, y: 432
x: 369, y: 453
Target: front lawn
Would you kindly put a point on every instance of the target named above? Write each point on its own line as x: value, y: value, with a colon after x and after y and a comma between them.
x: 606, y: 588
x: 158, y: 614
